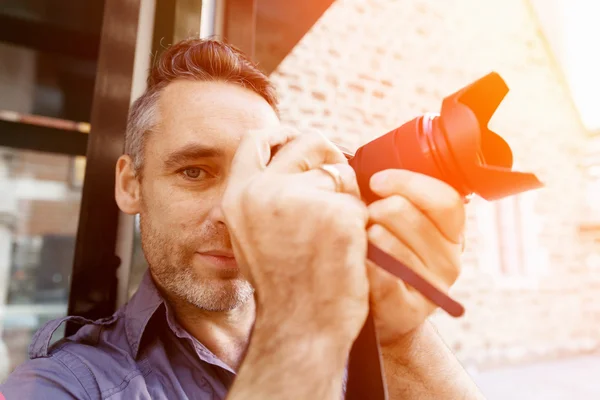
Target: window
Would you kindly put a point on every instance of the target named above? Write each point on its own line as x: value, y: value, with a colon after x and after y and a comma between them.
x: 37, y: 244
x: 510, y: 240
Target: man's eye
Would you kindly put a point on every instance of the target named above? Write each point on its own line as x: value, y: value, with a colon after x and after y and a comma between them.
x: 193, y: 173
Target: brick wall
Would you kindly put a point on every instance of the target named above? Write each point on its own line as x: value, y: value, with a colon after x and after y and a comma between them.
x: 367, y: 66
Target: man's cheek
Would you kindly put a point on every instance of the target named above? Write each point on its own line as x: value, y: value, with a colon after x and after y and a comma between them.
x: 182, y: 215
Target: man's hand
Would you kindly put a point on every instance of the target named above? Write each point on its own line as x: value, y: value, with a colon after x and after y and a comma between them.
x: 420, y: 222
x: 302, y: 245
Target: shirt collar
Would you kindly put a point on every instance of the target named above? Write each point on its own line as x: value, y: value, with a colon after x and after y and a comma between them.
x: 146, y: 301
x: 140, y: 309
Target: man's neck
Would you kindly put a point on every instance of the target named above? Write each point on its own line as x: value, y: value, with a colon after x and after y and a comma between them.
x: 225, y: 334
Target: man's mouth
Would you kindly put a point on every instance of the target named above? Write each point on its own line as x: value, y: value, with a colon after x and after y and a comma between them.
x: 219, y: 258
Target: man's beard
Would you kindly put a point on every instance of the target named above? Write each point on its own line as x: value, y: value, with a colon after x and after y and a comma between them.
x: 172, y: 269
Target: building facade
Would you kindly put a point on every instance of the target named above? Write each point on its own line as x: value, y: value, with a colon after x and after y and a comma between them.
x: 530, y: 278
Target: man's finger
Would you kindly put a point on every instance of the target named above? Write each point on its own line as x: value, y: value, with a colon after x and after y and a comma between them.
x: 438, y: 200
x: 386, y: 241
x: 325, y: 181
x: 254, y: 152
x: 308, y: 151
x: 412, y: 227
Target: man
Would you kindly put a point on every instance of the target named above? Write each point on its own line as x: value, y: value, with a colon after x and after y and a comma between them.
x: 256, y: 238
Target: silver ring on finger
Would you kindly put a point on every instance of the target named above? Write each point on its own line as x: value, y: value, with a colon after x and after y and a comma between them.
x: 335, y: 175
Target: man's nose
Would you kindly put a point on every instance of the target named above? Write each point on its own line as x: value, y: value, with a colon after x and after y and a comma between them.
x: 216, y: 212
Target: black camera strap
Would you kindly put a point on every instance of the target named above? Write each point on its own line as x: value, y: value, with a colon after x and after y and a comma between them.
x: 366, y: 379
x: 366, y: 376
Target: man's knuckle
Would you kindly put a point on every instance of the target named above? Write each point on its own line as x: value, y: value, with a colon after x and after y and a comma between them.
x: 452, y: 269
x: 398, y: 205
x: 452, y: 202
x: 377, y: 233
x: 359, y: 209
x: 454, y: 273
x: 446, y: 272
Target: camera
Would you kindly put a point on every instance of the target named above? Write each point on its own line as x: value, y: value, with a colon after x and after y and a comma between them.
x: 454, y: 146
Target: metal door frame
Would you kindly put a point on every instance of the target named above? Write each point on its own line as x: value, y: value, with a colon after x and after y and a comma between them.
x: 94, y: 283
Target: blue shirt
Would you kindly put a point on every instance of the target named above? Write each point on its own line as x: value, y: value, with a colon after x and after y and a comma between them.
x: 140, y: 352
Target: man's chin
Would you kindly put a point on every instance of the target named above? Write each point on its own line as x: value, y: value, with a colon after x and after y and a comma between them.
x: 220, y: 295
x: 218, y: 274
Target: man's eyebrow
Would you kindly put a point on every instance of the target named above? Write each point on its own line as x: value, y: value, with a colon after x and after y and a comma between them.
x: 191, y: 152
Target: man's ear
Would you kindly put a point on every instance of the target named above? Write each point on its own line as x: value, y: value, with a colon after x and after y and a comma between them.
x: 127, y: 186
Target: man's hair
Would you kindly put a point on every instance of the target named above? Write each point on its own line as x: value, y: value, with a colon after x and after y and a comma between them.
x: 197, y: 60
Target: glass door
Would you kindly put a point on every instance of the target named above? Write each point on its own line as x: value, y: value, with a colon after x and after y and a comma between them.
x: 48, y: 62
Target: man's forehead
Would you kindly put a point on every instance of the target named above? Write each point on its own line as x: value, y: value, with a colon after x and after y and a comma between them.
x: 214, y: 100
x: 214, y: 114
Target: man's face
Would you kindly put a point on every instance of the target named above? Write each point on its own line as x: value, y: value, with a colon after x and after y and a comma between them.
x: 186, y: 169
